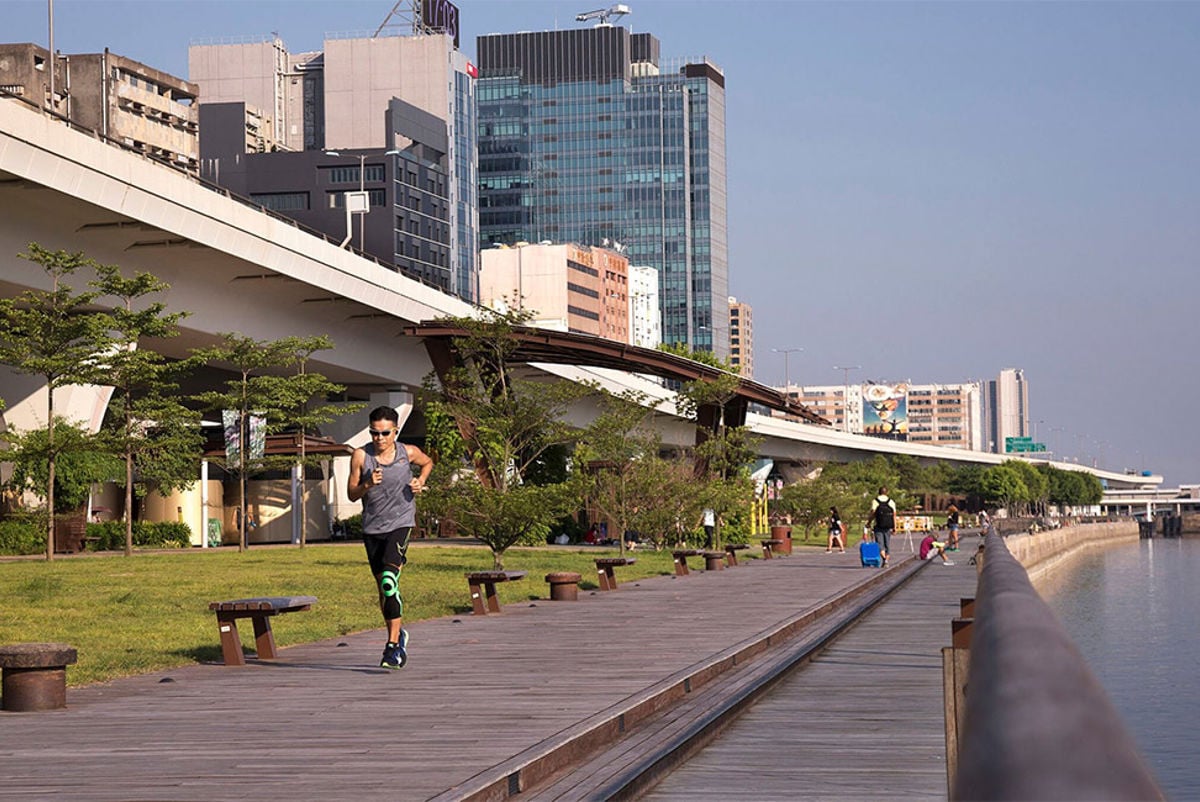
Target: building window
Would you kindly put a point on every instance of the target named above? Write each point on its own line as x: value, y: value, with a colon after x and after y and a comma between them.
x: 282, y: 201
x: 337, y: 200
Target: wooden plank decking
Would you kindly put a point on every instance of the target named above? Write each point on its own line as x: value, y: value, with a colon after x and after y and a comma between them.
x: 861, y: 721
x: 324, y: 723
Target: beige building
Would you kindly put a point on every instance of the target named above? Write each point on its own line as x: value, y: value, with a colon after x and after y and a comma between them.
x: 830, y: 402
x: 334, y: 97
x: 122, y: 99
x: 946, y: 415
x: 566, y: 287
x: 741, y: 337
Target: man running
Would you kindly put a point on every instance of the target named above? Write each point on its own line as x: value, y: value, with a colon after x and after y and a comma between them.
x: 381, y: 474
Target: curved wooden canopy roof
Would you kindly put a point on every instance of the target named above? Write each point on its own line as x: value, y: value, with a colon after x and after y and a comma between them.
x: 557, y: 347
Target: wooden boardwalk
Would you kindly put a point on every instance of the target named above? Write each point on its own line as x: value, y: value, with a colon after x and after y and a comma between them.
x: 324, y: 723
x: 863, y: 720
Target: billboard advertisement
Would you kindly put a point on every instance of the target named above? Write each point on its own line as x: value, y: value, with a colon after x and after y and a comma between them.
x: 885, y: 410
x: 441, y: 15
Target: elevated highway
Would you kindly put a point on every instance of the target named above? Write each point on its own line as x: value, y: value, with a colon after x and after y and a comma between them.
x: 234, y: 267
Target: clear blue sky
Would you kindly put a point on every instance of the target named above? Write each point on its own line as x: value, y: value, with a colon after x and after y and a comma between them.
x: 934, y: 191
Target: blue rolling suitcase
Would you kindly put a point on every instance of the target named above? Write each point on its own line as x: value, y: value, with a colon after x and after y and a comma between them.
x: 869, y: 553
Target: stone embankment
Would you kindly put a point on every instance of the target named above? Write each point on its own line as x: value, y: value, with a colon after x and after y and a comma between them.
x: 1042, y: 551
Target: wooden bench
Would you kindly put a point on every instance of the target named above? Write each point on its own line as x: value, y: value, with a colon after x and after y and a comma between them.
x: 564, y: 585
x: 769, y: 546
x: 681, y: 555
x: 731, y: 550
x: 714, y: 560
x: 259, y: 611
x: 604, y: 569
x: 35, y: 675
x: 483, y: 585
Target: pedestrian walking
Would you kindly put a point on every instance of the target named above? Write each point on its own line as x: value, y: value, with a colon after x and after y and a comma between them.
x: 882, y: 521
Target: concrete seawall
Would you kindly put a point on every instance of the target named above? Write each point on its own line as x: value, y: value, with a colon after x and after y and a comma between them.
x: 1043, y: 551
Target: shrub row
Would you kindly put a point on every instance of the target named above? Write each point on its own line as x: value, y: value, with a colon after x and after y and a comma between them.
x: 110, y: 535
x: 23, y: 536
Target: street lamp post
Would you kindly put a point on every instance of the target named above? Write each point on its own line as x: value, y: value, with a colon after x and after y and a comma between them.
x: 362, y: 192
x: 787, y: 378
x: 845, y: 369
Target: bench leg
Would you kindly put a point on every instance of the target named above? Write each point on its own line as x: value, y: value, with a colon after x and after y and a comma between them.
x: 493, y: 601
x: 477, y: 599
x: 28, y: 690
x: 681, y: 568
x: 264, y: 641
x: 608, y: 578
x: 231, y: 644
x: 766, y: 552
x: 602, y: 576
x: 730, y: 559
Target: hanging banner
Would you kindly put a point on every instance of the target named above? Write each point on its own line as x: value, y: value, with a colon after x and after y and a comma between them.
x: 233, y: 436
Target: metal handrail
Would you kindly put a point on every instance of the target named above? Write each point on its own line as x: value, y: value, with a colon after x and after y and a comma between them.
x: 1038, y: 724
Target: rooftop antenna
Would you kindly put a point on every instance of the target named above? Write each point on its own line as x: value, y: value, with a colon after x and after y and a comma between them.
x: 408, y: 16
x: 602, y: 14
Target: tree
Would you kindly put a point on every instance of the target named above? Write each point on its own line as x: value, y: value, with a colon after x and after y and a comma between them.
x: 669, y: 505
x: 1002, y: 486
x: 724, y: 451
x: 1072, y: 488
x: 616, y: 442
x: 506, y: 423
x: 52, y: 334
x: 848, y: 486
x: 1037, y: 486
x: 259, y: 401
x: 80, y: 459
x: 157, y: 437
x: 307, y: 387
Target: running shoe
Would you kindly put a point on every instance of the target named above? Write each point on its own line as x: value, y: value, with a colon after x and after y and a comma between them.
x: 394, y: 654
x: 402, y: 647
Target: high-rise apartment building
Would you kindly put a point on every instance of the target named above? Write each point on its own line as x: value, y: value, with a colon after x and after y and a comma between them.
x: 586, y: 136
x: 741, y: 337
x: 343, y: 99
x: 1006, y: 408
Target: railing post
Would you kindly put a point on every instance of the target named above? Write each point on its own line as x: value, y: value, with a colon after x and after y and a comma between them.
x: 956, y: 662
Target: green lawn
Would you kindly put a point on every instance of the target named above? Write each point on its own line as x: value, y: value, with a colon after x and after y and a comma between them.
x: 150, y: 611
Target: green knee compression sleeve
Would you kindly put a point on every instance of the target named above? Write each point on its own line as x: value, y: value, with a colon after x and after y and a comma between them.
x: 389, y: 587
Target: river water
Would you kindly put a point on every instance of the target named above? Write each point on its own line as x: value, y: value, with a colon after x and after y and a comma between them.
x: 1134, y: 613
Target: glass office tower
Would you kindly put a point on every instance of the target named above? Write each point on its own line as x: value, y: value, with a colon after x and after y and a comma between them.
x: 584, y: 137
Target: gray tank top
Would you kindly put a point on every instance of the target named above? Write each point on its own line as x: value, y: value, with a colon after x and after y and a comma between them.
x: 388, y: 506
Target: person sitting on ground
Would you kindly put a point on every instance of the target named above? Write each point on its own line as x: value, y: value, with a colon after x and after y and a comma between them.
x: 931, y: 548
x: 837, y: 532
